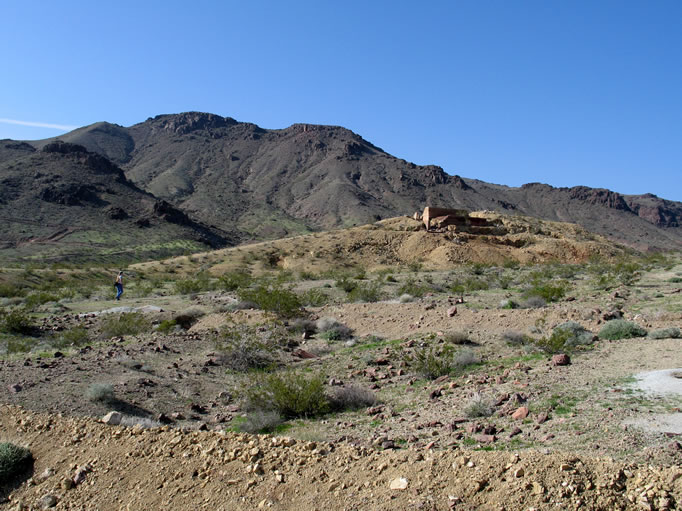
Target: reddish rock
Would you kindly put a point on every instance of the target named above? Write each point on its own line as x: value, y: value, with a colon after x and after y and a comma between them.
x: 520, y: 413
x: 452, y: 311
x: 542, y: 418
x: 514, y: 432
x: 485, y: 439
x: 302, y: 353
x: 561, y: 360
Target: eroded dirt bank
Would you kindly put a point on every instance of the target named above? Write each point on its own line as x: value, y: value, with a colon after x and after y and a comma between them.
x: 136, y: 469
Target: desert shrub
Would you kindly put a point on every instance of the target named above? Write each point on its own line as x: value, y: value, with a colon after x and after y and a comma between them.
x: 405, y: 298
x: 259, y: 421
x: 39, y: 298
x: 550, y: 292
x: 166, y: 326
x: 20, y: 344
x: 128, y: 323
x: 291, y: 394
x: 14, y: 461
x: 412, y: 287
x: 513, y: 338
x: 346, y: 284
x: 233, y: 280
x: 186, y: 318
x: 434, y: 362
x: 503, y: 281
x: 456, y: 338
x: 301, y: 325
x: 370, y: 292
x: 534, y: 302
x: 621, y: 329
x: 352, y: 397
x: 11, y: 290
x: 469, y: 285
x: 674, y: 280
x: 198, y: 284
x: 314, y: 298
x: 273, y: 298
x: 100, y: 393
x: 565, y: 337
x: 508, y: 303
x: 15, y: 322
x: 665, y: 333
x: 244, y: 348
x: 479, y: 406
x: 511, y: 264
x: 331, y: 330
x: 76, y: 336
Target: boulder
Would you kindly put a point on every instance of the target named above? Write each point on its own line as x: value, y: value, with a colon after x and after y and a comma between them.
x: 112, y: 418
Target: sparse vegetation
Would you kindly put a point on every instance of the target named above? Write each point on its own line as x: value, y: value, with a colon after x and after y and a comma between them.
x: 433, y: 362
x: 244, y: 348
x: 369, y: 292
x: 565, y: 337
x: 479, y: 406
x: 15, y: 322
x: 14, y: 460
x: 127, y: 323
x: 100, y: 393
x: 621, y: 329
x: 273, y: 298
x: 665, y: 333
x: 331, y: 330
x: 291, y: 394
x: 352, y: 397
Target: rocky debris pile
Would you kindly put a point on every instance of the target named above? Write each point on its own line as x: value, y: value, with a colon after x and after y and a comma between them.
x: 83, y: 464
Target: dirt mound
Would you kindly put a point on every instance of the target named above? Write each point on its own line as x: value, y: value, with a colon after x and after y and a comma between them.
x: 134, y: 469
x: 403, y: 241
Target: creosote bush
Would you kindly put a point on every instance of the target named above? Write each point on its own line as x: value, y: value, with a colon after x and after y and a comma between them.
x: 665, y: 333
x: 291, y: 394
x: 456, y: 338
x: 314, y: 298
x: 15, y: 322
x: 233, y: 280
x: 244, y: 348
x: 369, y: 292
x: 128, y: 323
x: 432, y: 362
x: 621, y: 329
x: 273, y: 298
x: 514, y: 338
x: 565, y: 337
x: 14, y: 460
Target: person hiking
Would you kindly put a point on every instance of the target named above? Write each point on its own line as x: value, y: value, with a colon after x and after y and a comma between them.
x: 119, y: 285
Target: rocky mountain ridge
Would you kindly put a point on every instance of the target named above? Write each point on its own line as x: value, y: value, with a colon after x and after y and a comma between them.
x: 259, y: 183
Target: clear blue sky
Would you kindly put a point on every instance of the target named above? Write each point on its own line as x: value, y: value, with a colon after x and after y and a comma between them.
x: 580, y: 92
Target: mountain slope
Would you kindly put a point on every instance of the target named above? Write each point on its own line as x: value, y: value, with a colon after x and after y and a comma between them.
x: 262, y: 183
x: 64, y: 202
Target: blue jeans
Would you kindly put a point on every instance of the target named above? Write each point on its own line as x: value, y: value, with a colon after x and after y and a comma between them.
x: 119, y: 291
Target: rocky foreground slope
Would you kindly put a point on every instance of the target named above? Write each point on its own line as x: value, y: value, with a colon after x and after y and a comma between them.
x: 82, y: 464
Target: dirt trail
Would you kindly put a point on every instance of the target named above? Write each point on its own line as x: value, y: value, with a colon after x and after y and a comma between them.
x: 135, y: 469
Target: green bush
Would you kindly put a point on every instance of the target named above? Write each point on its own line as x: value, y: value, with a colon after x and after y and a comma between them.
x: 167, y: 326
x: 370, y: 292
x: 199, y: 284
x: 548, y: 292
x: 14, y: 460
x: 675, y: 280
x: 39, y: 298
x: 433, y: 362
x: 621, y: 329
x: 244, y: 348
x: 469, y: 285
x: 11, y: 291
x: 128, y: 323
x: 233, y: 280
x: 15, y: 322
x: 346, y: 284
x: 273, y: 298
x: 413, y: 288
x: 314, y: 298
x: 565, y: 337
x: 665, y: 333
x: 76, y: 336
x: 290, y: 394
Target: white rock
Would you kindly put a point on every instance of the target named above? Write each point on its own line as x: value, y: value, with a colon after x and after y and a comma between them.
x: 399, y: 483
x: 112, y: 418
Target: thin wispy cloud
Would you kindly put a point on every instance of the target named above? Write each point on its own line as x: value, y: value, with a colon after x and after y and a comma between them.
x: 62, y: 127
